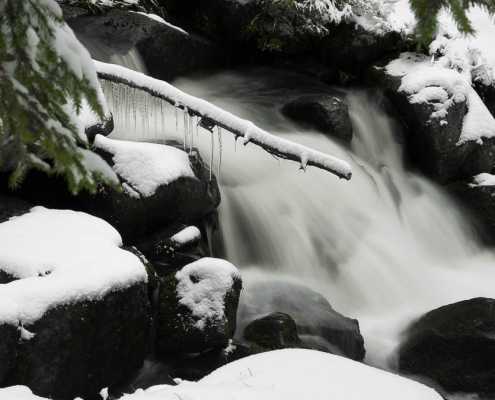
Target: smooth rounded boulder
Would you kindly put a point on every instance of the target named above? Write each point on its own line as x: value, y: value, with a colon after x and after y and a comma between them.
x: 454, y: 346
x: 319, y: 326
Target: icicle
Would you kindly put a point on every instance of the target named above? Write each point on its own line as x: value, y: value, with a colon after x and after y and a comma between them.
x: 176, y: 120
x: 235, y: 143
x: 184, y: 123
x: 191, y: 139
x: 219, y: 131
x: 211, y: 153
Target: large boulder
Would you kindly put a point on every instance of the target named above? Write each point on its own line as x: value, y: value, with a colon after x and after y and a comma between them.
x: 449, y: 131
x: 197, y: 307
x: 327, y: 113
x: 167, y: 51
x: 273, y: 331
x: 454, y: 346
x: 160, y: 185
x: 75, y: 315
x: 317, y: 322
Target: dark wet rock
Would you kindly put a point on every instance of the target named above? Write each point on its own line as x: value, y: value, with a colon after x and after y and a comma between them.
x: 344, y: 54
x: 349, y: 50
x: 327, y: 113
x: 104, y: 128
x: 12, y: 207
x: 484, y: 85
x: 274, y: 331
x: 454, y: 346
x: 167, y: 51
x: 314, y: 316
x: 169, y: 255
x: 78, y: 349
x: 197, y: 366
x: 9, y: 336
x: 180, y: 331
x: 432, y: 143
x: 152, y: 373
x: 479, y: 201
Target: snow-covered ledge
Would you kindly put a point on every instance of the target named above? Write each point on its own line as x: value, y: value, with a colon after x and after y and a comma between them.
x: 212, y: 115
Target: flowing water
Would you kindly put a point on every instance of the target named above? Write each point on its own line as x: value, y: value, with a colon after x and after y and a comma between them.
x: 383, y: 248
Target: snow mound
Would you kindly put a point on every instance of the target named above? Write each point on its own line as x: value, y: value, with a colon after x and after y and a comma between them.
x: 293, y: 374
x: 60, y: 257
x: 202, y: 287
x: 430, y: 83
x: 146, y: 166
x: 186, y: 235
x: 483, y: 179
x: 18, y: 393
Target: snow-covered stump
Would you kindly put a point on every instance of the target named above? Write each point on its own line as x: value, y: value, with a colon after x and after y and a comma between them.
x: 197, y: 307
x: 450, y: 132
x: 77, y: 309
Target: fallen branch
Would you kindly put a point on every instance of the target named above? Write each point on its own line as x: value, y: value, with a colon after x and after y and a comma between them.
x: 212, y: 115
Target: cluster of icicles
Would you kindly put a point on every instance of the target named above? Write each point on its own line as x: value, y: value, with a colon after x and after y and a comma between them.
x: 139, y: 116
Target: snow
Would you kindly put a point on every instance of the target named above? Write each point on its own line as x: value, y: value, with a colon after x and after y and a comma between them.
x: 244, y: 128
x: 18, y: 393
x: 146, y: 166
x: 427, y: 82
x: 202, y: 287
x: 293, y: 374
x: 60, y: 257
x: 159, y: 19
x: 483, y: 179
x: 187, y: 235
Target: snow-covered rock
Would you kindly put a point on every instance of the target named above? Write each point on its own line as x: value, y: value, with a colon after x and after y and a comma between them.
x: 293, y: 375
x: 144, y: 167
x: 454, y: 346
x: 198, y: 306
x: 77, y: 302
x: 161, y: 185
x: 167, y: 51
x: 450, y: 132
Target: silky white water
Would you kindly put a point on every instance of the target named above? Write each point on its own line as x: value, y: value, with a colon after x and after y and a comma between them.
x: 383, y: 248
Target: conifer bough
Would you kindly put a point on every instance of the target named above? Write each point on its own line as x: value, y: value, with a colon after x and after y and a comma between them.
x: 45, y: 76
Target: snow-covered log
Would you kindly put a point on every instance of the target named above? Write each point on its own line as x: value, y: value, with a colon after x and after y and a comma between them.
x: 211, y: 115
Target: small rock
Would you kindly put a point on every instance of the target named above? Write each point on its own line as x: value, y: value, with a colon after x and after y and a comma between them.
x: 314, y: 316
x: 327, y: 113
x: 274, y: 331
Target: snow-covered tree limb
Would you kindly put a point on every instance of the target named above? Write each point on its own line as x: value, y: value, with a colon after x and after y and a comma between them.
x: 212, y: 115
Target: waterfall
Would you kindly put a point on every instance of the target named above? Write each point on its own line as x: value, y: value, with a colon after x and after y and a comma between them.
x: 383, y: 248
